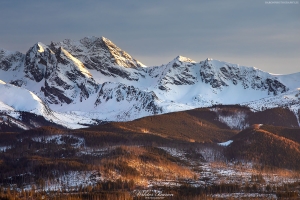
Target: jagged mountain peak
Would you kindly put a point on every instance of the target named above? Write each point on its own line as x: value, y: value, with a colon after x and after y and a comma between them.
x: 121, y: 57
x: 41, y: 47
x: 220, y: 74
x: 226, y: 68
x: 93, y: 39
x: 218, y: 64
x: 183, y: 59
x: 37, y: 60
x: 38, y: 47
x: 5, y: 52
x: 98, y: 53
x: 10, y: 60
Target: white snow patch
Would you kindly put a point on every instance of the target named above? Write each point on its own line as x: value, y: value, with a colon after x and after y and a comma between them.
x: 225, y: 144
x: 174, y: 151
x: 235, y: 120
x: 60, y: 139
x: 4, y: 148
x: 73, y: 179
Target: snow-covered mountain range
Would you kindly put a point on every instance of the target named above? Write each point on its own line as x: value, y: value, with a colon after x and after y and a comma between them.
x: 77, y: 83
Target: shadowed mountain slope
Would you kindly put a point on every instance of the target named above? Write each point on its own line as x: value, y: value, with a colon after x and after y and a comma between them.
x: 258, y: 145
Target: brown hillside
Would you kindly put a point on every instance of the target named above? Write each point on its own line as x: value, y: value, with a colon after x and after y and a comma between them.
x: 199, y: 125
x: 258, y: 145
x: 42, y: 131
x: 289, y: 133
x: 275, y: 116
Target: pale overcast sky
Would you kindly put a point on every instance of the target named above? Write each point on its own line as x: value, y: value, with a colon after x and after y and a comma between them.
x: 263, y: 34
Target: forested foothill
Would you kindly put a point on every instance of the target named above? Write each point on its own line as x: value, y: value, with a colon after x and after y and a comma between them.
x: 187, y: 155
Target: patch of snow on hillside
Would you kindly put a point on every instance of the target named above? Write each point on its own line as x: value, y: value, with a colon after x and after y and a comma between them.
x: 21, y: 99
x: 4, y: 148
x: 174, y: 151
x: 73, y: 179
x: 235, y: 120
x: 61, y: 139
x: 4, y: 107
x: 225, y: 144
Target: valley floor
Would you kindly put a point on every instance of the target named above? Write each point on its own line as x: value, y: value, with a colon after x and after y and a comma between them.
x: 213, y: 170
x: 194, y: 171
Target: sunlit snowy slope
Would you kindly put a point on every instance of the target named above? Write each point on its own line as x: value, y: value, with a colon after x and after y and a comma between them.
x: 77, y: 83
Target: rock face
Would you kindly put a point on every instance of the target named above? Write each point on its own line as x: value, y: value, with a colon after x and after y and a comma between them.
x: 102, y: 55
x: 62, y: 78
x: 178, y: 72
x: 94, y: 78
x: 36, y: 61
x: 136, y: 101
x: 10, y: 60
x: 227, y: 74
x: 69, y: 80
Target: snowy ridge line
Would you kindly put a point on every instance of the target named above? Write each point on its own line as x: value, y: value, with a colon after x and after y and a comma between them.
x: 93, y: 75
